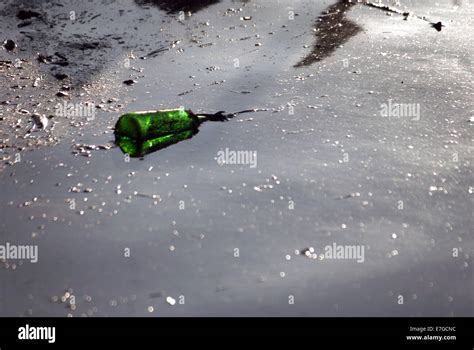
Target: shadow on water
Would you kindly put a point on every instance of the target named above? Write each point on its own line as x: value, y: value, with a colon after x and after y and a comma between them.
x: 175, y: 6
x: 44, y: 27
x: 332, y: 30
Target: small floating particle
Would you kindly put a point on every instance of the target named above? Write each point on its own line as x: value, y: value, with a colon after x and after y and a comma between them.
x: 62, y: 94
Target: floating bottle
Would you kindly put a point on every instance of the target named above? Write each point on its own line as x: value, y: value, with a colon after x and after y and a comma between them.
x: 140, y: 133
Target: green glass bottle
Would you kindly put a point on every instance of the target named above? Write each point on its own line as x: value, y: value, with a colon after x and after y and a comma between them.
x: 139, y: 133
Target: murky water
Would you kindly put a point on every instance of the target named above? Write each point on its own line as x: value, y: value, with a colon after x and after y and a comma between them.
x: 322, y: 166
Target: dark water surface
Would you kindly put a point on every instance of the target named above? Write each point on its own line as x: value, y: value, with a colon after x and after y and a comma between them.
x: 121, y: 235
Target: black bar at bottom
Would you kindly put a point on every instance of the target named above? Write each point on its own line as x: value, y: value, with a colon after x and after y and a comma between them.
x: 451, y: 333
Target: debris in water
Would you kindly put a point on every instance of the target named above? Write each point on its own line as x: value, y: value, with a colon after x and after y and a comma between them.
x: 85, y: 149
x: 40, y: 121
x: 27, y: 14
x: 62, y: 94
x: 437, y: 26
x: 218, y: 82
x: 385, y: 8
x: 212, y: 68
x: 185, y: 92
x: 140, y: 133
x: 62, y: 61
x: 405, y: 14
x: 309, y: 253
x: 350, y: 195
x: 129, y: 82
x: 9, y: 45
x: 297, y: 131
x: 24, y: 24
x: 61, y: 76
